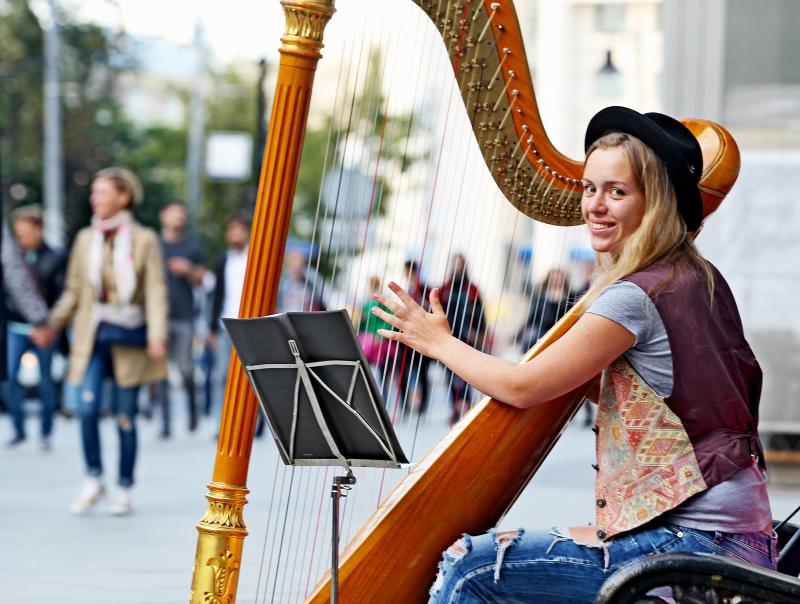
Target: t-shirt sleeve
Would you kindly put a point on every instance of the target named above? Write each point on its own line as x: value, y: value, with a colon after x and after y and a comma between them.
x: 627, y: 304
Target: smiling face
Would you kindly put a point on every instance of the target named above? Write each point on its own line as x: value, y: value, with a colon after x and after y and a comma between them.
x: 613, y: 201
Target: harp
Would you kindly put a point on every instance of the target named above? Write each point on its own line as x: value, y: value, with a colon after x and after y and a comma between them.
x: 491, y: 454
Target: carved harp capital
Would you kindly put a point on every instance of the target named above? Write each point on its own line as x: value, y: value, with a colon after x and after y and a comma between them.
x: 224, y: 513
x: 305, y: 24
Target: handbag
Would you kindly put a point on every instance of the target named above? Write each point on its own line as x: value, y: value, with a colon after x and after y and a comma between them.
x: 109, y: 333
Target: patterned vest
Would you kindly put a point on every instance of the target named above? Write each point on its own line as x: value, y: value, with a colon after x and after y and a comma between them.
x: 654, y: 453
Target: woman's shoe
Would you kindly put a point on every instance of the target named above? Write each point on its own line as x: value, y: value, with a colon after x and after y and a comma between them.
x: 92, y: 492
x: 122, y: 503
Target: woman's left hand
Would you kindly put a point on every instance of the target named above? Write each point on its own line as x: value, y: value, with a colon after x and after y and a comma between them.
x: 157, y: 350
x: 425, y: 332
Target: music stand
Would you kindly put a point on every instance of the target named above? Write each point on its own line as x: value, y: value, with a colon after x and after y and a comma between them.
x: 318, y: 396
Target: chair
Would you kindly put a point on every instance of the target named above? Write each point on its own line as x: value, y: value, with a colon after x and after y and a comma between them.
x: 709, y: 579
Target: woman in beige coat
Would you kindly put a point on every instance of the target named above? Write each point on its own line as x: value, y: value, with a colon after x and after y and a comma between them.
x: 115, y: 296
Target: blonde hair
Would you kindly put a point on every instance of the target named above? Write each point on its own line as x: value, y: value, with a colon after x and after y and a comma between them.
x: 124, y: 181
x: 661, y: 235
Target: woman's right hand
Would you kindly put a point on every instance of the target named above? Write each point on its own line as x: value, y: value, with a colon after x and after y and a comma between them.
x: 425, y: 332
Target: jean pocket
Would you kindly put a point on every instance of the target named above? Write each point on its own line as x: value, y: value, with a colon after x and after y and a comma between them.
x: 660, y: 539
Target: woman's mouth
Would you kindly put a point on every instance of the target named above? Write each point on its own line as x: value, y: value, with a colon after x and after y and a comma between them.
x: 600, y: 226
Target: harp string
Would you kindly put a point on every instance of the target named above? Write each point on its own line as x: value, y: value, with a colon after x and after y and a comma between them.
x: 314, y: 474
x: 321, y: 524
x: 392, y: 375
x: 348, y: 503
x: 284, y: 502
x: 375, y: 206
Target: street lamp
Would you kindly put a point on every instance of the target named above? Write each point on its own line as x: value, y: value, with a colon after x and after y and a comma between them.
x: 608, y: 80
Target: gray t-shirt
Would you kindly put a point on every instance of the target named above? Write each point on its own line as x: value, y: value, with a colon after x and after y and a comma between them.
x: 627, y: 304
x: 738, y: 505
x: 179, y: 289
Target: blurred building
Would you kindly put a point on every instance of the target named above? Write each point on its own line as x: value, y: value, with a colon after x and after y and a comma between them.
x: 735, y: 61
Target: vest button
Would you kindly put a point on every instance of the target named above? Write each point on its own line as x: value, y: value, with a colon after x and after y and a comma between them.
x: 601, y: 534
x: 601, y: 503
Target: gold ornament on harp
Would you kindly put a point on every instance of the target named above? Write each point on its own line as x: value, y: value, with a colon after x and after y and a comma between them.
x: 219, y: 546
x: 305, y: 24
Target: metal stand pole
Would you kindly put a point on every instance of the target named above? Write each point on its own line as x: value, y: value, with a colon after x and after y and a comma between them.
x: 339, y: 488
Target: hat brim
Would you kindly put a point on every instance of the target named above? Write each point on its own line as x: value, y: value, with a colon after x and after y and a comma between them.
x: 684, y: 179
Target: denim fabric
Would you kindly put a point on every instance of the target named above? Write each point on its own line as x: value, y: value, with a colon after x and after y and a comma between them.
x: 549, y: 567
x: 19, y: 344
x: 125, y: 401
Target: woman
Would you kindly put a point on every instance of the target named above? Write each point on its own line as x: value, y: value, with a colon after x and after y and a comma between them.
x: 550, y: 303
x: 379, y: 353
x: 461, y: 299
x: 116, y: 298
x: 678, y: 456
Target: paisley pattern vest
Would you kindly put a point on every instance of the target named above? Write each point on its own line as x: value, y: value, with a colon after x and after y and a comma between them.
x: 654, y: 453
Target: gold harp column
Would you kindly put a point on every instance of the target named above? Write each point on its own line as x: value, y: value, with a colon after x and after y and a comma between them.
x: 222, y: 529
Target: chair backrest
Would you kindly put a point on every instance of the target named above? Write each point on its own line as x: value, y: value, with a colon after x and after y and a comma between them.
x: 789, y: 550
x: 695, y: 577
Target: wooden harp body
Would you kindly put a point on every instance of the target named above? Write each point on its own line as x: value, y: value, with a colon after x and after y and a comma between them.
x: 477, y: 470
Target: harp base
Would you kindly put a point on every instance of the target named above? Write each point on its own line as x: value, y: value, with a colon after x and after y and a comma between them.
x: 219, y: 546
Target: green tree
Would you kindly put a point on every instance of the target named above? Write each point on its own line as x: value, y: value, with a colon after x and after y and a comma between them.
x: 96, y: 134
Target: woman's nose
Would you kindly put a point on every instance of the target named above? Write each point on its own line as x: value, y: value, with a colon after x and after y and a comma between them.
x: 596, y: 204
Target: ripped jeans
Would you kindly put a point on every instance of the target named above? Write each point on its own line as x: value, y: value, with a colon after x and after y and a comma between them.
x: 551, y: 568
x: 124, y: 406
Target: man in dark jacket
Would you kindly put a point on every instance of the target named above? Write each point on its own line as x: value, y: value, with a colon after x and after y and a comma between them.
x: 47, y: 267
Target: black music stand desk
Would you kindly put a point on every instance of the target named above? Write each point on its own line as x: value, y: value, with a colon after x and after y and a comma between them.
x: 318, y: 396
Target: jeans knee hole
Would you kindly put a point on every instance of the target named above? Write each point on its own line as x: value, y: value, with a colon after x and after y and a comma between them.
x: 125, y: 423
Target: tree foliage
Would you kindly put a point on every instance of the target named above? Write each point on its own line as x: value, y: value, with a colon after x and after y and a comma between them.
x: 97, y: 69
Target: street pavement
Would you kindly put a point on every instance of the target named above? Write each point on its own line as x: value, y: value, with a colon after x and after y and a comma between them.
x: 52, y: 556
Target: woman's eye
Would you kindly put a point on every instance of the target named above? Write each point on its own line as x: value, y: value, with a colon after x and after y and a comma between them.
x: 587, y: 188
x: 617, y: 192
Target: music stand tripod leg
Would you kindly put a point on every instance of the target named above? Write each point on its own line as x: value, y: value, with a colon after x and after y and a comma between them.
x: 340, y: 485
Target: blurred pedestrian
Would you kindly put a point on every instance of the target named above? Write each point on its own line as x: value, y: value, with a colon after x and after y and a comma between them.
x: 549, y: 303
x: 414, y: 368
x: 185, y: 267
x: 230, y: 273
x: 20, y: 289
x: 116, y: 297
x: 300, y: 287
x: 47, y: 266
x: 377, y: 350
x: 464, y: 308
x: 208, y: 355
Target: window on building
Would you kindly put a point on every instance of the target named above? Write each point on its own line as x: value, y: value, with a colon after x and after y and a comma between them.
x: 609, y: 17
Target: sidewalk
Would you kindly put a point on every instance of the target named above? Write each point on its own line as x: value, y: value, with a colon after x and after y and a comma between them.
x: 146, y: 558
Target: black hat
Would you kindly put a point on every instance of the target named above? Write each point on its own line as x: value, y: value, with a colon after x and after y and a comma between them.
x: 671, y: 141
